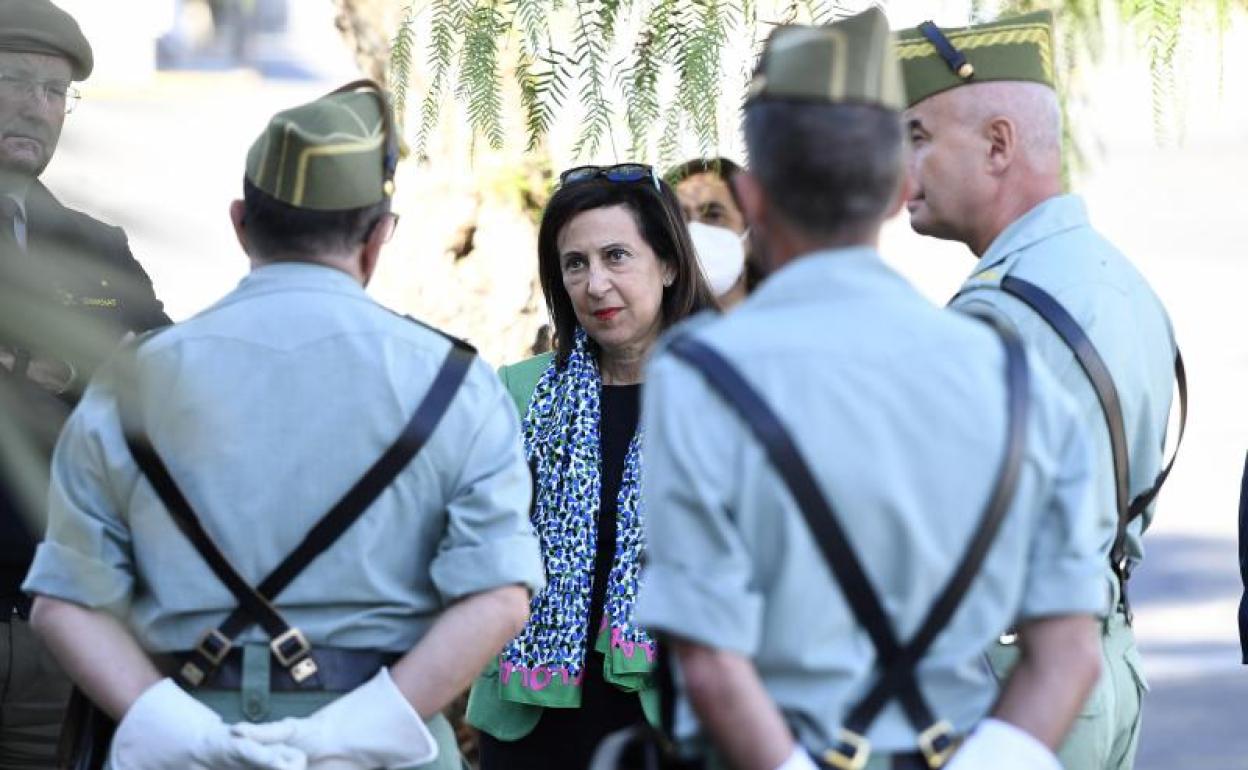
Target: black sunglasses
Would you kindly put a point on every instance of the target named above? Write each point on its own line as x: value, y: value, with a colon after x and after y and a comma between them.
x: 622, y: 172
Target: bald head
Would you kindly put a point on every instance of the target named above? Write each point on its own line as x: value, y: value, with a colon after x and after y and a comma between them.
x: 1031, y: 107
x: 984, y: 155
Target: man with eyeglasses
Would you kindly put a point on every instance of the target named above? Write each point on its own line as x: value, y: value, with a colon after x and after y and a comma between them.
x: 69, y: 291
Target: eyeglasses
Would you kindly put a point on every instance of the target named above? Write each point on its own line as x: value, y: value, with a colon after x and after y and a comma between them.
x: 622, y: 172
x: 55, y: 93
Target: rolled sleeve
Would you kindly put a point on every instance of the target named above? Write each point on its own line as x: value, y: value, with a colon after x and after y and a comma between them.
x: 86, y: 556
x: 698, y: 583
x: 489, y: 541
x: 1066, y: 568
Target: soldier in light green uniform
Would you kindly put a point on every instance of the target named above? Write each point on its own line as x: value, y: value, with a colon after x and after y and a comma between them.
x: 985, y: 123
x: 885, y: 396
x: 265, y: 410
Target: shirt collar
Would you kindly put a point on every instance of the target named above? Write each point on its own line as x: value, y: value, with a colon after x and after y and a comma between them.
x: 1055, y: 215
x: 299, y: 275
x: 813, y: 276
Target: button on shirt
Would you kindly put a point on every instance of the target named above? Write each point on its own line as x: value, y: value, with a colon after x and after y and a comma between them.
x: 266, y: 408
x: 900, y: 408
x: 1055, y: 247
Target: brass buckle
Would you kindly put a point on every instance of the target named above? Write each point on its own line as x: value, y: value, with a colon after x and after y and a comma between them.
x: 851, y: 751
x: 937, y: 744
x: 214, y: 646
x: 191, y: 674
x: 292, y: 636
x: 303, y: 670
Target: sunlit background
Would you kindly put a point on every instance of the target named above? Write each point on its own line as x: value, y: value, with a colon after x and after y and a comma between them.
x: 182, y: 88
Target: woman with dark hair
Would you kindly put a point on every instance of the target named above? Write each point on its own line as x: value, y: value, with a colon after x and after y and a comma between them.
x: 617, y: 268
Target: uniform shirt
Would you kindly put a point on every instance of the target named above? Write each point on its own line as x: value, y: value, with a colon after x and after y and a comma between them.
x: 266, y: 408
x: 1054, y: 247
x: 899, y: 407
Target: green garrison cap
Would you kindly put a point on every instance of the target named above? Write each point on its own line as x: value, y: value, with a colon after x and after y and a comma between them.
x: 336, y: 153
x: 849, y: 61
x: 1017, y: 48
x: 38, y: 26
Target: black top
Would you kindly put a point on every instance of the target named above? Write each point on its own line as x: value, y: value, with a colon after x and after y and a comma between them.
x: 75, y: 273
x: 620, y: 410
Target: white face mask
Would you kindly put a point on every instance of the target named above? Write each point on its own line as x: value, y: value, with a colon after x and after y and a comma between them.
x: 721, y: 253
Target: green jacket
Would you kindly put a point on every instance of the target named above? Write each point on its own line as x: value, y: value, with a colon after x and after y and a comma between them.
x: 487, y: 711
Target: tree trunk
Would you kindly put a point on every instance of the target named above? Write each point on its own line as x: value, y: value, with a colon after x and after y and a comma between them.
x: 465, y: 257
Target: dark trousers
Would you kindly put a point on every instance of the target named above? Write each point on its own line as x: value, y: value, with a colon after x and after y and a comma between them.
x: 33, y: 695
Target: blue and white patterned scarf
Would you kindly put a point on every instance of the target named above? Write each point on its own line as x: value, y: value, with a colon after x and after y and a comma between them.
x: 562, y: 444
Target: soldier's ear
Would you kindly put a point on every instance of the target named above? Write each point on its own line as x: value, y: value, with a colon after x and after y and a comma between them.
x: 238, y: 217
x: 371, y: 250
x: 1003, y: 141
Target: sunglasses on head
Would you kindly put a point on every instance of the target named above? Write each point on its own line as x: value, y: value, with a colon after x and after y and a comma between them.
x: 622, y: 172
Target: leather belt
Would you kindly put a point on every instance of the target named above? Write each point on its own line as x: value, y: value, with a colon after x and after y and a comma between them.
x: 338, y: 669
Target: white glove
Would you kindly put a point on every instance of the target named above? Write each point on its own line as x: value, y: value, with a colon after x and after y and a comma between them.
x: 372, y: 726
x: 798, y: 760
x: 995, y: 744
x: 166, y: 729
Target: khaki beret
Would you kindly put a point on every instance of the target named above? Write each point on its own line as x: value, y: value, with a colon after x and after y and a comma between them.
x: 38, y: 26
x: 1016, y: 48
x: 336, y: 153
x: 851, y: 60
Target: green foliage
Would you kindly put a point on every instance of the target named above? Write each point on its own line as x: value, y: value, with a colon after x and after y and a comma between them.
x: 443, y: 42
x: 401, y: 60
x: 698, y: 53
x: 1160, y: 25
x: 1165, y: 23
x: 658, y: 63
x: 480, y: 82
x: 592, y: 40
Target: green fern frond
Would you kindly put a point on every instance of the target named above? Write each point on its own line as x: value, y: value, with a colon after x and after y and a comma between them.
x: 543, y: 88
x: 530, y: 17
x: 639, y: 82
x: 669, y: 140
x: 400, y: 62
x: 1165, y: 21
x: 480, y: 81
x: 590, y: 56
x: 1222, y: 20
x: 698, y: 60
x: 443, y: 44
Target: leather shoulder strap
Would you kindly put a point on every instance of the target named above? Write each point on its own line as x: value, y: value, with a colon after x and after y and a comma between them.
x: 1098, y: 374
x: 897, y: 663
x: 255, y: 603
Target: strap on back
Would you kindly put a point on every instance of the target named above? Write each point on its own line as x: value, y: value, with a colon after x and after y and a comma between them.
x: 897, y: 663
x: 1098, y: 374
x: 289, y: 645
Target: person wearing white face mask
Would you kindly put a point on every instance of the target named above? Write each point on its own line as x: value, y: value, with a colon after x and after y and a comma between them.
x: 704, y: 188
x: 721, y: 253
